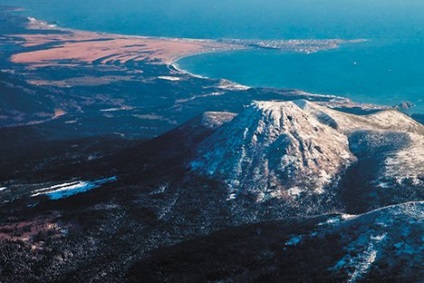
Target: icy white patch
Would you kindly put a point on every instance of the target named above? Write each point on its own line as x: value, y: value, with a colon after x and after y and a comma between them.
x: 332, y: 221
x: 364, y: 264
x: 2, y: 189
x: 231, y: 197
x: 378, y: 238
x: 345, y: 155
x: 407, y: 164
x: 160, y: 190
x: 228, y: 85
x: 295, y: 191
x: 360, y: 264
x: 276, y: 194
x: 168, y: 78
x: 214, y: 120
x: 348, y: 216
x: 294, y: 241
x: 184, y: 100
x: 68, y: 189
x: 324, y: 177
x: 319, y: 191
x: 384, y: 185
x: 116, y: 109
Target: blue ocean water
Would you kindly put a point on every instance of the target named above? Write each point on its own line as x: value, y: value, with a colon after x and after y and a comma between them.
x: 387, y: 69
x: 370, y: 72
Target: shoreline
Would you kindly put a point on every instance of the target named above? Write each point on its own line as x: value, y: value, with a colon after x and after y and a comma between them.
x: 410, y: 110
x: 79, y: 46
x: 172, y: 61
x: 194, y: 46
x: 338, y: 99
x: 175, y: 50
x: 174, y: 65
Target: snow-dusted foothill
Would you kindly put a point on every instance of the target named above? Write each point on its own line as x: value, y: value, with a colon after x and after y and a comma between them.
x: 384, y: 245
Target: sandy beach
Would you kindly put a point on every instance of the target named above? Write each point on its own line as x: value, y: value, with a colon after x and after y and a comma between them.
x: 67, y: 46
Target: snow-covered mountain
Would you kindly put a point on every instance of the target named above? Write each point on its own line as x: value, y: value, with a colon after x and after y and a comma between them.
x: 276, y: 150
x: 292, y: 151
x: 276, y: 159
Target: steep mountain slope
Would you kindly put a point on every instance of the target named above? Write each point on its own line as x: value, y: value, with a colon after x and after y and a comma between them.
x: 165, y: 156
x: 275, y: 149
x: 383, y: 245
x: 299, y: 152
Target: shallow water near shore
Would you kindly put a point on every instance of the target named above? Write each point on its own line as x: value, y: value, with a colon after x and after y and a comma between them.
x: 385, y: 70
x: 372, y: 72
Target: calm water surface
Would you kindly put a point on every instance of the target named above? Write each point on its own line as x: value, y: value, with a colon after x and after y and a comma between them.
x: 387, y: 70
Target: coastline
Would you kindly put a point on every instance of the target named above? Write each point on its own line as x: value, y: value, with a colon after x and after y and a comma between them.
x: 70, y: 42
x: 408, y: 106
x: 174, y: 66
x: 167, y: 49
x: 203, y: 46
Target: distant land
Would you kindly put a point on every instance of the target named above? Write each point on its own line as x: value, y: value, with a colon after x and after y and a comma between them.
x: 63, y: 45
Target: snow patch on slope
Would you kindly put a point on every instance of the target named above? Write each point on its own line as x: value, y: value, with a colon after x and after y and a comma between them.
x: 72, y: 188
x: 169, y: 78
x: 214, y: 120
x: 387, y: 234
x: 407, y: 164
x: 358, y: 265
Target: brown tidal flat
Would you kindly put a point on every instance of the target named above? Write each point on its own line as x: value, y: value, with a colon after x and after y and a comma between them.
x: 75, y: 47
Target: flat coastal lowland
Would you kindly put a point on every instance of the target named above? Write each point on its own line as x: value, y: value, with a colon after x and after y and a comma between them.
x: 66, y: 46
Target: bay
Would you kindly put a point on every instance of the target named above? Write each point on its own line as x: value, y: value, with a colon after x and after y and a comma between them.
x: 385, y: 70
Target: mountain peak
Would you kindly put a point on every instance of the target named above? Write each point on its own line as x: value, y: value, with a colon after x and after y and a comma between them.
x: 274, y: 150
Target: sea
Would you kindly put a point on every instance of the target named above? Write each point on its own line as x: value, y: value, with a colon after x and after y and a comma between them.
x: 387, y: 69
